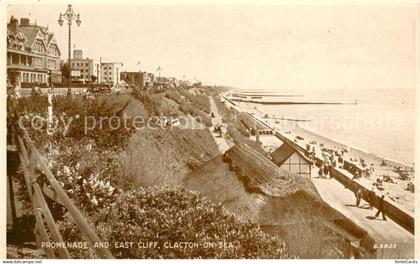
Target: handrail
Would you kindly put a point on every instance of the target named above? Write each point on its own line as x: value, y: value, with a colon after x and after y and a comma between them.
x: 77, y: 216
x: 39, y: 204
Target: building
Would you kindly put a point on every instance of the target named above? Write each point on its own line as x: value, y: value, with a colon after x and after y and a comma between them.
x: 173, y: 82
x: 148, y: 79
x: 145, y: 79
x: 33, y: 55
x: 84, y: 69
x: 184, y: 83
x: 110, y: 72
x: 78, y: 54
x: 132, y: 77
x: 291, y: 159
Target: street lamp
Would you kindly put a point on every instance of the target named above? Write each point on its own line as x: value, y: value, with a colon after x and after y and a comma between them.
x: 69, y: 16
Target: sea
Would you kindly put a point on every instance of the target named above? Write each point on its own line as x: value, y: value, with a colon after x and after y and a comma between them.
x: 378, y: 121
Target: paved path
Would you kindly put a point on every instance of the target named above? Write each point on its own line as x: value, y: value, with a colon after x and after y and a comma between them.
x: 217, y: 119
x: 387, y: 232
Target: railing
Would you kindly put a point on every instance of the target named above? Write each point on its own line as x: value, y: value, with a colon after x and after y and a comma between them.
x: 393, y: 210
x: 31, y: 160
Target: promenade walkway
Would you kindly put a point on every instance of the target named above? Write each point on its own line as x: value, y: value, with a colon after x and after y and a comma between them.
x: 384, y: 232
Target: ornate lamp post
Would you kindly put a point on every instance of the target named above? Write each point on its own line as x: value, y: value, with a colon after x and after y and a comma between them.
x: 69, y: 16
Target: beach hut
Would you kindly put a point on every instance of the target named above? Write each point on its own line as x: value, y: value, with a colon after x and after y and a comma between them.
x: 293, y: 160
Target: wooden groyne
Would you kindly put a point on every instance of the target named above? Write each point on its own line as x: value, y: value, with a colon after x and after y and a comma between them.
x: 289, y: 102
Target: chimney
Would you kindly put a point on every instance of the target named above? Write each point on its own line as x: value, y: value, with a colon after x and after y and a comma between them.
x: 24, y: 22
x: 13, y: 23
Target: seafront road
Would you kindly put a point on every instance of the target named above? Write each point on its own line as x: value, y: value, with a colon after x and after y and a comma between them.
x: 384, y: 232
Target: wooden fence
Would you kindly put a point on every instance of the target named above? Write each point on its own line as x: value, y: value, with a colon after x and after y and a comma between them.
x: 46, y: 230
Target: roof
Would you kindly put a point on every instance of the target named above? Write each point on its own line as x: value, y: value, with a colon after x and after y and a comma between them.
x: 30, y: 34
x: 280, y: 155
x: 50, y: 38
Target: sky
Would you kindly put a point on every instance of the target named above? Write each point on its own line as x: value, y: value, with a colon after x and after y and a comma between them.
x: 250, y: 47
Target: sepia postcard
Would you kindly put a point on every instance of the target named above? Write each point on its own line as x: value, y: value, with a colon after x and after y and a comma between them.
x: 226, y: 130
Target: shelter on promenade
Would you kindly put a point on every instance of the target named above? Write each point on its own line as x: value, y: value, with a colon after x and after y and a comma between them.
x: 292, y: 160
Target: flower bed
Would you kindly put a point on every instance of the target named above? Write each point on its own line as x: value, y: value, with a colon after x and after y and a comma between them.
x: 167, y: 217
x: 88, y: 169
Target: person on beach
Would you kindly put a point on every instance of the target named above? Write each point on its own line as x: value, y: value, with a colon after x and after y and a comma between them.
x: 370, y: 197
x: 372, y: 169
x: 381, y: 208
x: 355, y: 176
x: 320, y: 174
x: 326, y: 170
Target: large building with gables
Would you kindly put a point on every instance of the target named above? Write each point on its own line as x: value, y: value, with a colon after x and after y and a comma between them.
x: 33, y: 56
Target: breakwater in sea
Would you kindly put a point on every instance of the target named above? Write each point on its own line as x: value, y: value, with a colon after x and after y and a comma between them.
x: 382, y: 122
x: 286, y: 99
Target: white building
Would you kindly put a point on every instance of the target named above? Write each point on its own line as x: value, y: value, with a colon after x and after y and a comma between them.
x: 85, y: 69
x: 110, y: 72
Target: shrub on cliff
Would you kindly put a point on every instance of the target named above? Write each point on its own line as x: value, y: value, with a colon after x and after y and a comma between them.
x: 238, y: 138
x: 165, y: 215
x: 99, y: 118
x: 172, y: 94
x: 188, y: 108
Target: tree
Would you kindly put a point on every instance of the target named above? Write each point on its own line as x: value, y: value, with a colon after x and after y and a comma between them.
x: 93, y: 78
x: 64, y: 67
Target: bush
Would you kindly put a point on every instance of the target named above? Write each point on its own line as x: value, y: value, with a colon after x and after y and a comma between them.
x: 242, y: 128
x: 165, y: 215
x: 73, y: 115
x: 173, y: 94
x: 89, y: 174
x: 188, y: 108
x: 238, y: 138
x: 234, y: 134
x: 152, y: 103
x: 199, y: 101
x: 102, y: 113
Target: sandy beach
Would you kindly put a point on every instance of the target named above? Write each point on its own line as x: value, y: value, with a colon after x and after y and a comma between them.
x: 396, y: 191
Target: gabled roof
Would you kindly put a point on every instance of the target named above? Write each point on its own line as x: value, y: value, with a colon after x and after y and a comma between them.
x: 31, y: 33
x: 50, y: 38
x: 280, y: 155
